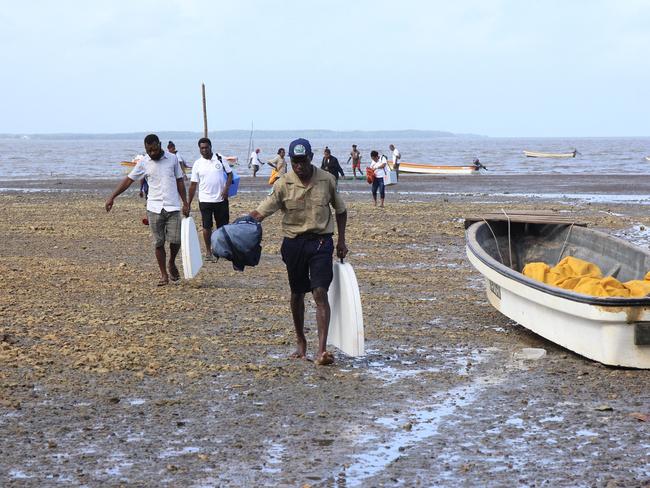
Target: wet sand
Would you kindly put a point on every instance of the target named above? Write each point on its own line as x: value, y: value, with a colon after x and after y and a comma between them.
x: 106, y: 379
x: 484, y: 182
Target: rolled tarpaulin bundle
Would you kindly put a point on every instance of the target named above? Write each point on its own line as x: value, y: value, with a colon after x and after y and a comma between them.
x: 239, y: 242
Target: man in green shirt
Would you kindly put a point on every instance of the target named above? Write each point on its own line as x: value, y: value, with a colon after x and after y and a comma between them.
x: 304, y: 197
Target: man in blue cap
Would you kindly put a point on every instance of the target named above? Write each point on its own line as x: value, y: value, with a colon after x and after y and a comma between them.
x: 304, y: 197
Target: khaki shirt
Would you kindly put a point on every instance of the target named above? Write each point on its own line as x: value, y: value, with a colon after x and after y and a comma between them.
x: 304, y: 208
x: 280, y: 164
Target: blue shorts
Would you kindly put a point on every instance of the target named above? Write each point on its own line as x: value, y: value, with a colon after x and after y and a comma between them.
x: 378, y: 183
x: 309, y: 262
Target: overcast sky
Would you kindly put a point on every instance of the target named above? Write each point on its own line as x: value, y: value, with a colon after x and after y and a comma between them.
x: 493, y: 67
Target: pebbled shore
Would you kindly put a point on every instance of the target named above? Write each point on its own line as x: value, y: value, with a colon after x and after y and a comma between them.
x: 106, y: 379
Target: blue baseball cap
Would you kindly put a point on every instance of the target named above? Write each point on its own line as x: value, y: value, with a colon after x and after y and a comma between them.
x: 300, y: 148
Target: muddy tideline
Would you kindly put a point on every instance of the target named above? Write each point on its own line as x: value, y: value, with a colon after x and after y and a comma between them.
x: 108, y: 380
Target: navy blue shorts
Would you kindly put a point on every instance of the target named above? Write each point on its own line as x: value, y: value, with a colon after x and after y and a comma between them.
x: 378, y: 184
x: 309, y: 262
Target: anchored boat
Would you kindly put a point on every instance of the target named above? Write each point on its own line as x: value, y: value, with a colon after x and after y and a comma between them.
x: 613, y: 331
x: 533, y: 154
x: 429, y: 169
x: 232, y: 160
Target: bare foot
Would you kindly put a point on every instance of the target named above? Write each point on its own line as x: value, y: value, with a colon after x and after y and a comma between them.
x: 164, y: 280
x: 299, y: 355
x: 325, y: 359
x: 173, y: 272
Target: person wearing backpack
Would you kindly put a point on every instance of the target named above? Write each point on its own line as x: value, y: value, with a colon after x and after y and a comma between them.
x: 213, y: 175
x: 378, y: 165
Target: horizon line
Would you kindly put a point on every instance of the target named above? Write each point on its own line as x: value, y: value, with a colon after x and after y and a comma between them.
x: 442, y: 133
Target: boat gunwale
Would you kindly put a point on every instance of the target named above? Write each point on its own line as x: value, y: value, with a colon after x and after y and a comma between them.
x: 485, y: 258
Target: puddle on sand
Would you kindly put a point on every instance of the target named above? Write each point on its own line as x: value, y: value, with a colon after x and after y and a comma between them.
x: 167, y: 453
x: 553, y: 418
x: 586, y: 433
x: 639, y: 235
x: 457, y: 360
x: 423, y: 423
x: 273, y: 458
x: 16, y: 474
x: 409, y: 266
x: 114, y: 466
x: 390, y: 374
x: 416, y: 424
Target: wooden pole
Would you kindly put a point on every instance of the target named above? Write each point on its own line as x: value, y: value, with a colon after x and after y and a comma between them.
x: 205, y: 113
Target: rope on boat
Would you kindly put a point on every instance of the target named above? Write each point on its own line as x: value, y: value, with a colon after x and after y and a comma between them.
x: 509, y: 243
x: 495, y: 239
x: 565, y: 241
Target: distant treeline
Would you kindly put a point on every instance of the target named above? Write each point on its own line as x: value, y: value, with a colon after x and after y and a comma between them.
x: 258, y: 134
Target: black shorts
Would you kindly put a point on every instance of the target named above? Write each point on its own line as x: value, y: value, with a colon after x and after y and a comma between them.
x: 217, y: 210
x: 309, y: 262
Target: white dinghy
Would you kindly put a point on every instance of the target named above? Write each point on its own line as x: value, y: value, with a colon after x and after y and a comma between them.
x: 613, y: 331
x: 535, y: 154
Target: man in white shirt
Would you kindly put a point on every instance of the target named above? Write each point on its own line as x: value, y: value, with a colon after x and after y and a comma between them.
x: 213, y: 175
x: 395, y: 159
x: 166, y: 190
x: 254, y: 161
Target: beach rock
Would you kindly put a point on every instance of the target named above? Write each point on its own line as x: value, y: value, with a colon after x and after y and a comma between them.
x: 604, y: 408
x: 530, y: 354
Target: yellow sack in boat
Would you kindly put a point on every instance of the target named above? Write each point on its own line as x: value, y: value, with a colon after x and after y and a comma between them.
x: 602, y: 287
x: 571, y: 272
x: 571, y: 267
x: 537, y: 271
x: 584, y: 277
x: 639, y: 288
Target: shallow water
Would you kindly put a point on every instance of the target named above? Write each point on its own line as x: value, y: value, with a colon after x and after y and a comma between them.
x: 99, y: 158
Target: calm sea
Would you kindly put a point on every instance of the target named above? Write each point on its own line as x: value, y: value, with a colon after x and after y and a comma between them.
x: 97, y: 158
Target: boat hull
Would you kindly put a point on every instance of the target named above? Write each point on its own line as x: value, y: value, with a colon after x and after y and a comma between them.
x: 429, y: 169
x: 533, y: 154
x: 610, y: 331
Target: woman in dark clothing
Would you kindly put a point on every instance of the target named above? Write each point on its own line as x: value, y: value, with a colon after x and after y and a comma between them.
x: 331, y: 164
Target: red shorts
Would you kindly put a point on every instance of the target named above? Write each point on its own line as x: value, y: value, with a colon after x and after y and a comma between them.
x: 356, y: 165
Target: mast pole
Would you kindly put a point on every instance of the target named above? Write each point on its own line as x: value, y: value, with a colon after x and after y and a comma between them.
x: 205, y: 112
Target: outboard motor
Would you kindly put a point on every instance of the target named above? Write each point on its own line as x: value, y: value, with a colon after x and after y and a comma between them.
x: 478, y: 164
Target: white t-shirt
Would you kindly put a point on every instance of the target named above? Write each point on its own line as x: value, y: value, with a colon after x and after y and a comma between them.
x: 211, y: 177
x: 255, y: 159
x: 396, y: 156
x: 379, y: 172
x: 161, y: 176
